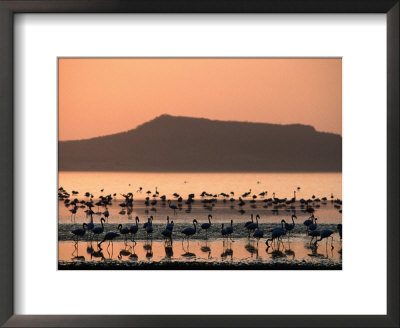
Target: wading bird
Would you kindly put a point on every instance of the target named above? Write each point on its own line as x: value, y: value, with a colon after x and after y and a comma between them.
x: 339, y: 227
x: 109, y: 236
x: 249, y: 222
x: 325, y: 234
x: 133, y: 229
x: 313, y: 226
x: 308, y: 222
x: 290, y: 226
x: 170, y: 225
x: 99, y: 230
x: 314, y: 234
x: 124, y: 231
x: 253, y: 226
x: 189, y: 231
x: 229, y: 229
x: 207, y: 225
x: 80, y: 232
x: 173, y: 207
x: 149, y: 227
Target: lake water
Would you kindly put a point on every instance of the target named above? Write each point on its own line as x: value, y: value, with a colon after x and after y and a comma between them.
x: 223, y: 210
x: 283, y: 184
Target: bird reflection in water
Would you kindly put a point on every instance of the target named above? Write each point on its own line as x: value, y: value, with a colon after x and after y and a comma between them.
x: 148, y: 247
x: 124, y: 252
x: 314, y: 252
x: 206, y: 249
x: 75, y: 253
x: 133, y: 256
x: 275, y: 249
x: 187, y: 253
x: 275, y: 253
x: 227, y: 250
x: 169, y: 252
x: 289, y: 251
x: 251, y: 248
x: 89, y: 248
x: 98, y: 254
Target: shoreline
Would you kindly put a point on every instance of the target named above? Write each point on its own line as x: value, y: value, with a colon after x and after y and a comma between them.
x: 141, y: 265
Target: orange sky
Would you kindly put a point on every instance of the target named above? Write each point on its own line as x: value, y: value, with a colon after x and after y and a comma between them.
x: 104, y: 96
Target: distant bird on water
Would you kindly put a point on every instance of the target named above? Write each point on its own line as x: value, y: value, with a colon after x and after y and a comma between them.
x: 173, y: 207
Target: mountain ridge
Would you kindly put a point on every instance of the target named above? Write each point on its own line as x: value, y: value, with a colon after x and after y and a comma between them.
x: 177, y: 143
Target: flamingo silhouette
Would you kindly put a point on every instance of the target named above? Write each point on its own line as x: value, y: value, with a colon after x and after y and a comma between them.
x: 207, y: 225
x: 189, y: 231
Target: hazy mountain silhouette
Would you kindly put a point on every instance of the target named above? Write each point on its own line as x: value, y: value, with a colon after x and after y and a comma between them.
x: 174, y: 144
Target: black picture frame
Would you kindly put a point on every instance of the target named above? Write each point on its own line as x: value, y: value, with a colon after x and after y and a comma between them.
x: 10, y: 7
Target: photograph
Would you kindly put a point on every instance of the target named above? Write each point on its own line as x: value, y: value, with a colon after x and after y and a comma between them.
x: 199, y: 163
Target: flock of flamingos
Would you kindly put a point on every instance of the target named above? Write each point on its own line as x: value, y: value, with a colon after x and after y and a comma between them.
x: 273, y: 236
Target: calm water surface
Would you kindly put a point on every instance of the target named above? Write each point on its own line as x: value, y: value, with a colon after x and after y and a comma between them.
x: 283, y: 184
x: 240, y: 250
x: 243, y: 248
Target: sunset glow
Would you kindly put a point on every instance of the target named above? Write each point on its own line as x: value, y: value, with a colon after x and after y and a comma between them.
x: 104, y: 96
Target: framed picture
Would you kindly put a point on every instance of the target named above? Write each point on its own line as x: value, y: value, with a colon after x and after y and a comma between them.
x: 186, y: 163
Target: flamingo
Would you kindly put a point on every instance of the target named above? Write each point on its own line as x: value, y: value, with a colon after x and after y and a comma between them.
x: 109, y: 236
x: 249, y: 222
x: 149, y: 227
x: 314, y: 234
x: 229, y: 229
x: 276, y: 234
x: 123, y: 231
x: 134, y: 228
x: 325, y: 234
x: 106, y: 214
x: 99, y: 230
x: 173, y: 207
x: 73, y: 212
x: 207, y: 225
x: 308, y: 222
x: 170, y: 225
x: 223, y: 231
x: 189, y: 231
x: 90, y: 225
x: 254, y: 225
x: 290, y: 226
x: 167, y: 232
x: 148, y: 222
x: 313, y: 226
x: 258, y: 234
x: 339, y: 227
x: 80, y: 232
